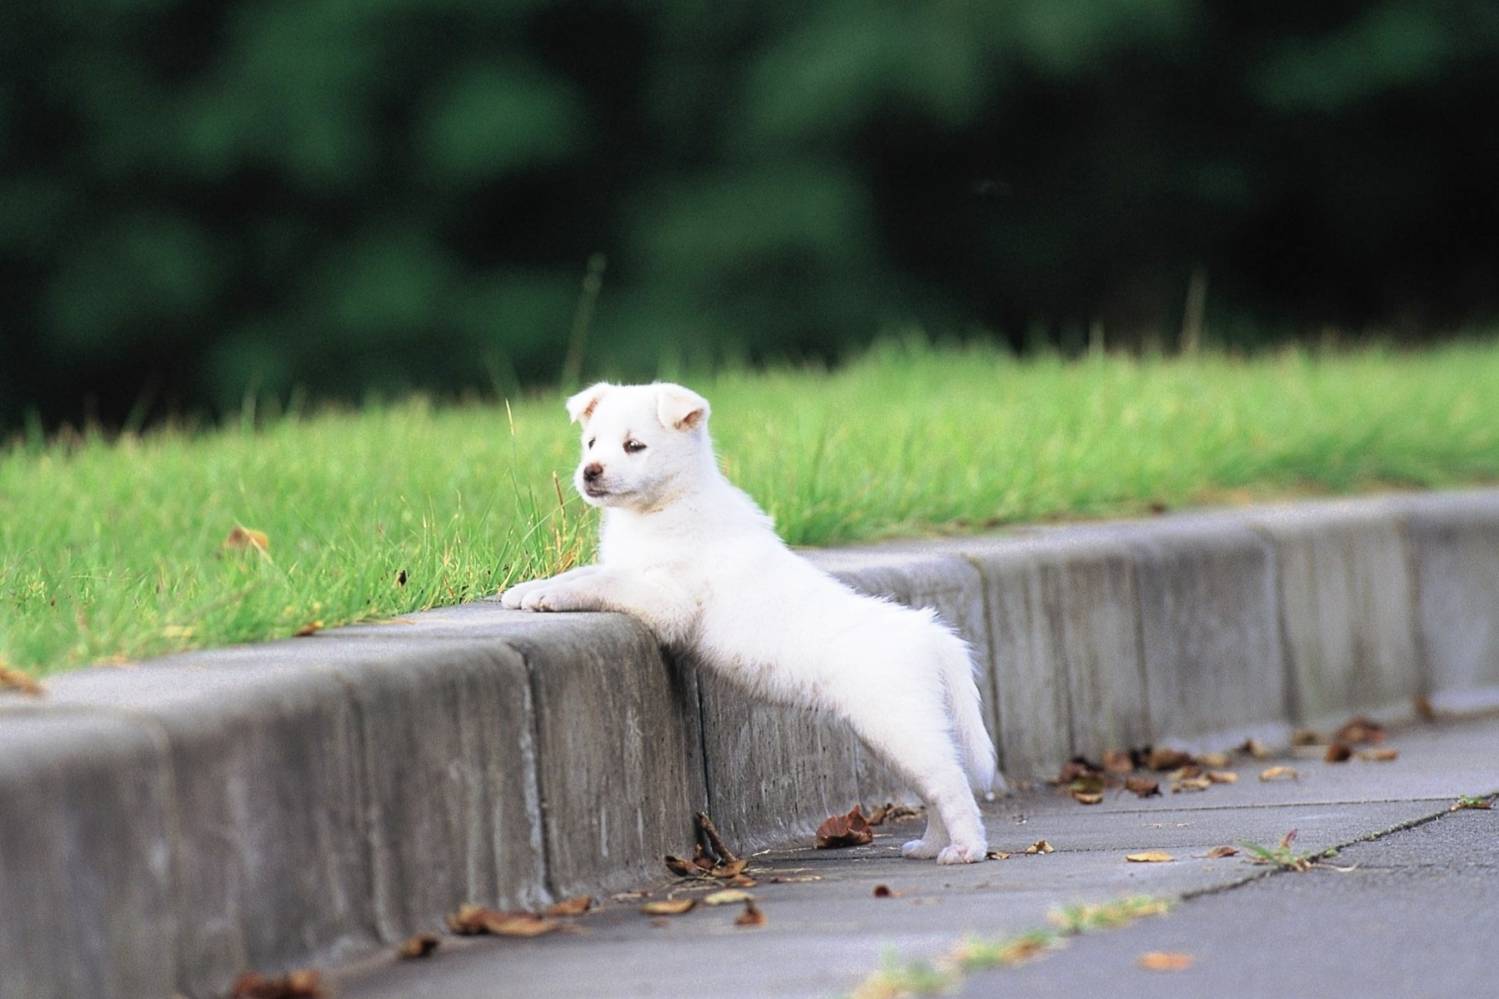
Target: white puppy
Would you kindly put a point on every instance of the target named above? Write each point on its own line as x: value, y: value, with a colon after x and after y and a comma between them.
x: 693, y: 557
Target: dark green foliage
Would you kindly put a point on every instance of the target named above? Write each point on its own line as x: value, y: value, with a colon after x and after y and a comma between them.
x: 202, y: 199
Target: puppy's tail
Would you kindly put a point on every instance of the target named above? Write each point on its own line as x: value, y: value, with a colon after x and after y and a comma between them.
x: 968, y: 717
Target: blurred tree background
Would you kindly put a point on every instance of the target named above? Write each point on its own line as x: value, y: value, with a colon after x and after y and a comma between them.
x: 204, y: 198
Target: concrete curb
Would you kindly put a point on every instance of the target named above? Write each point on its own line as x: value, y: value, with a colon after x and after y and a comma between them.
x: 165, y: 827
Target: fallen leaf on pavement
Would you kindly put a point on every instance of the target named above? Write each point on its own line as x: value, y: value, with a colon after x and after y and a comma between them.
x: 419, y: 946
x: 1149, y: 857
x: 1358, y: 729
x: 1215, y: 760
x: 741, y: 881
x: 844, y: 830
x: 294, y: 985
x: 1191, y: 784
x: 1337, y: 753
x: 1086, y: 797
x: 996, y: 855
x: 1305, y: 737
x: 1040, y: 846
x: 1118, y: 761
x: 574, y: 906
x: 1090, y: 784
x: 14, y: 679
x: 1185, y: 773
x: 1219, y: 852
x: 729, y: 869
x: 751, y: 916
x: 1279, y: 773
x: 1223, y: 777
x: 1257, y: 749
x: 883, y: 891
x: 725, y: 855
x: 1144, y: 787
x: 1161, y: 960
x: 682, y: 868
x: 1165, y: 758
x: 1380, y: 754
x: 726, y: 896
x: 472, y: 920
x: 310, y: 628
x: 668, y: 906
x: 890, y: 812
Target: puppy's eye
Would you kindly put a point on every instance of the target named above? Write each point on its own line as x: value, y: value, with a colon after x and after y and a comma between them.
x: 633, y: 447
x: 591, y: 440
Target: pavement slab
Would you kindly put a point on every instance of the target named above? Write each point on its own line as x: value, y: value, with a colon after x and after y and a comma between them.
x: 826, y: 930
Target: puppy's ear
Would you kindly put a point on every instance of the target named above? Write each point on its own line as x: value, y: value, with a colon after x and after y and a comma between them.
x: 580, y: 406
x: 680, y: 408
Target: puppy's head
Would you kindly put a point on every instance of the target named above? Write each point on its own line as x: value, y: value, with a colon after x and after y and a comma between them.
x: 642, y: 444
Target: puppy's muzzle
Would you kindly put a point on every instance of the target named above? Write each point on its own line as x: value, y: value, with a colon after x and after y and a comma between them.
x: 592, y: 472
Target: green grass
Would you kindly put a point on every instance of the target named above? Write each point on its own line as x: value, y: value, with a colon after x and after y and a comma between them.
x: 111, y: 549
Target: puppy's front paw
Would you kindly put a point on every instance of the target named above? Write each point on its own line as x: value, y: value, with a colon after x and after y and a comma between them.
x: 960, y: 853
x: 557, y: 598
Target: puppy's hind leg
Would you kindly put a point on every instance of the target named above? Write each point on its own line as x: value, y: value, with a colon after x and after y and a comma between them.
x: 918, y: 745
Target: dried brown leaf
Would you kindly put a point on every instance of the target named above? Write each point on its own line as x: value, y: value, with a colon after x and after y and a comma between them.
x: 751, y: 916
x: 725, y: 855
x: 1358, y: 729
x: 1379, y: 754
x: 472, y: 920
x: 1216, y: 761
x: 883, y: 891
x: 1279, y: 773
x: 293, y: 985
x: 682, y: 868
x: 1149, y: 857
x: 1257, y: 749
x: 1166, y: 758
x: 419, y: 946
x: 1185, y: 773
x: 1144, y: 787
x: 1086, y: 798
x: 1219, y: 852
x: 727, y: 896
x: 702, y: 859
x: 1077, y: 767
x: 1305, y: 737
x: 1091, y: 784
x: 246, y: 538
x: 1118, y: 761
x: 1040, y: 846
x: 668, y: 906
x: 310, y: 628
x: 1337, y: 753
x: 13, y: 679
x: 1191, y: 784
x: 843, y: 830
x: 741, y: 881
x: 1223, y: 776
x: 728, y: 870
x: 996, y: 855
x: 1161, y: 960
x: 575, y: 906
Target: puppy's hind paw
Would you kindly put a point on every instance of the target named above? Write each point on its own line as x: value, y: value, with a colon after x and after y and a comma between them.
x: 920, y: 849
x: 959, y: 853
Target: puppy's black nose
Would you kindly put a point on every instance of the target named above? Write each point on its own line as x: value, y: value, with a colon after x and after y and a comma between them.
x: 592, y: 471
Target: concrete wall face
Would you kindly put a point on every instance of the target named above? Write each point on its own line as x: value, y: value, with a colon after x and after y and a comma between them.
x: 1455, y: 539
x: 165, y: 827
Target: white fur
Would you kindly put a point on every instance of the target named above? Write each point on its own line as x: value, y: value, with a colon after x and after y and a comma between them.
x: 693, y: 557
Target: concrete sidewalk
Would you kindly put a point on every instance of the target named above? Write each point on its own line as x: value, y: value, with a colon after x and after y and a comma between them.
x: 1417, y: 910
